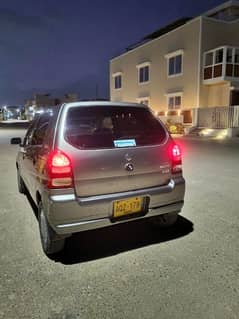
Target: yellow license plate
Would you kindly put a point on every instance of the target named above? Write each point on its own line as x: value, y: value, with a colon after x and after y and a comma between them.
x: 127, y: 206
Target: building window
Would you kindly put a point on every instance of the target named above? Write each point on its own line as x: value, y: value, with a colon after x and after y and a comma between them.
x: 143, y: 72
x: 219, y: 56
x: 236, y: 56
x: 221, y: 62
x: 117, y: 80
x: 229, y: 55
x: 236, y: 63
x: 174, y: 101
x: 213, y: 61
x: 175, y: 63
x: 143, y: 100
x: 209, y: 59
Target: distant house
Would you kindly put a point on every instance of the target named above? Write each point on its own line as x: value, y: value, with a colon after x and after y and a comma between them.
x: 41, y: 101
x: 189, y: 65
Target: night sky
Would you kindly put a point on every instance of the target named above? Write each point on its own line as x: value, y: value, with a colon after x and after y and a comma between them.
x: 63, y: 46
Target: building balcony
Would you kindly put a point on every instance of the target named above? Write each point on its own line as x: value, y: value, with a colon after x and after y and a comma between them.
x: 221, y: 65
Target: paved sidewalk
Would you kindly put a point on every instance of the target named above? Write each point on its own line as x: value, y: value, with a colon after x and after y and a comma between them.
x: 14, y: 124
x: 227, y: 140
x: 14, y: 121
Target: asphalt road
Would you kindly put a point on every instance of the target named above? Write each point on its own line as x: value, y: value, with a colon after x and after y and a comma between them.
x: 129, y: 271
x: 9, y: 130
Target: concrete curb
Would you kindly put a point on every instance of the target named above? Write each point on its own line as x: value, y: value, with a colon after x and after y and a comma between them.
x: 227, y: 140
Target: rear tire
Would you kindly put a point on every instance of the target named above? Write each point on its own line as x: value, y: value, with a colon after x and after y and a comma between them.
x: 20, y: 184
x: 51, y: 242
x: 165, y: 220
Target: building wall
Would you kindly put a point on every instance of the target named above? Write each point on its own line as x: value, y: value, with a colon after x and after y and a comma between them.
x: 216, y: 33
x: 185, y: 38
x: 218, y: 95
x: 42, y: 100
x: 70, y: 97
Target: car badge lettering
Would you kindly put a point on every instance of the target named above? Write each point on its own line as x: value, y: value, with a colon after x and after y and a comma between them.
x: 128, y: 157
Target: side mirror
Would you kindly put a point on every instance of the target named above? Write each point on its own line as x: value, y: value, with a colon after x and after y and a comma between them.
x: 16, y: 140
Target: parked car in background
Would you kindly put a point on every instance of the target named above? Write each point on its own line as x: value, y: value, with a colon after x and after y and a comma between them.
x: 93, y: 164
x: 12, y: 112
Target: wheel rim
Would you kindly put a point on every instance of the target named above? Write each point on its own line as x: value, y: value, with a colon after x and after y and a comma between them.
x: 44, y: 229
x: 18, y: 179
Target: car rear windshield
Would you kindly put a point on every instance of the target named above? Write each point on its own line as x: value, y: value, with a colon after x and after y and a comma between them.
x: 112, y: 126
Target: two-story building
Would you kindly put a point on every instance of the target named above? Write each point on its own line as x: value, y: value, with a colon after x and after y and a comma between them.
x: 189, y: 65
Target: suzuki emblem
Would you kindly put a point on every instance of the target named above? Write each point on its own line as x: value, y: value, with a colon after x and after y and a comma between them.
x: 129, y: 167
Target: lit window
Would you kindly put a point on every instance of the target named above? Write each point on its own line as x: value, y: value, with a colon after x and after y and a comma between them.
x: 170, y: 103
x: 177, y: 102
x: 174, y: 101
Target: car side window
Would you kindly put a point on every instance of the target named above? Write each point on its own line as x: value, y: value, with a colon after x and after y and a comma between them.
x: 39, y: 132
x: 29, y: 133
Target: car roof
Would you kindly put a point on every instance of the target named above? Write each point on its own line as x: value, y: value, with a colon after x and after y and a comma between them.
x: 103, y: 103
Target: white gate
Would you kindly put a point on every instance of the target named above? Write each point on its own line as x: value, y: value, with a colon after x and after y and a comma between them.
x: 218, y: 117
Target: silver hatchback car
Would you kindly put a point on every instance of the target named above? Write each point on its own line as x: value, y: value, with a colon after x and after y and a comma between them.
x: 93, y: 164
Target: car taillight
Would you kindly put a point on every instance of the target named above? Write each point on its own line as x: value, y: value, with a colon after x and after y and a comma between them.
x: 59, y: 170
x: 176, y: 155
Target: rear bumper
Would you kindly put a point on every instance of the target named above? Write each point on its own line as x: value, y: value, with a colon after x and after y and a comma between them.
x: 103, y: 222
x: 68, y: 214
